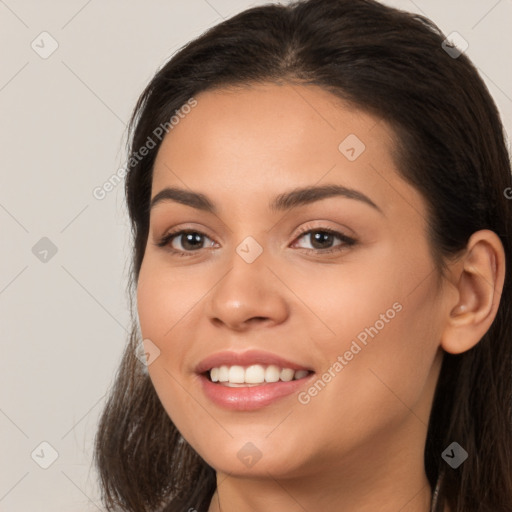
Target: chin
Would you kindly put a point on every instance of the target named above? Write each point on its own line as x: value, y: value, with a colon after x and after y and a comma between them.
x: 256, y: 458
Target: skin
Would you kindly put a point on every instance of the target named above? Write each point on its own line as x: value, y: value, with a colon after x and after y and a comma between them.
x: 358, y: 444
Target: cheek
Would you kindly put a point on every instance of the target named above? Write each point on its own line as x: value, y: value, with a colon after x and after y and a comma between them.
x: 161, y: 303
x: 382, y: 319
x: 165, y: 296
x: 166, y: 301
x: 384, y: 299
x: 387, y: 341
x: 355, y: 300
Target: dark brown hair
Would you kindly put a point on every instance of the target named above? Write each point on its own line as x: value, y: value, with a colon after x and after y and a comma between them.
x: 450, y: 146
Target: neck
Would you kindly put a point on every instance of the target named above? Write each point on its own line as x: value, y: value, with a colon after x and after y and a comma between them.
x: 332, y: 488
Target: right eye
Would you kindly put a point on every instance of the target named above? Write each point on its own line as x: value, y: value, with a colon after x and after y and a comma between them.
x: 190, y: 241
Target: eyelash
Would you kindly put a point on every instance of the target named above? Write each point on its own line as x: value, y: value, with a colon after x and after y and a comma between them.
x: 166, y: 240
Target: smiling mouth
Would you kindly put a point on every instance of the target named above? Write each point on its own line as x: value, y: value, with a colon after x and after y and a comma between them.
x: 253, y: 375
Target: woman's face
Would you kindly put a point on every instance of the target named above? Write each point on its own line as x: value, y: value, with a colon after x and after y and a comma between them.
x: 340, y: 285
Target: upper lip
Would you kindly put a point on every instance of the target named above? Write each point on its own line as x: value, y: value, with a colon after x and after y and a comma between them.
x: 247, y: 358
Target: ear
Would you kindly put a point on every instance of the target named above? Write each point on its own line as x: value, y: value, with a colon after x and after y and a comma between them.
x: 478, y: 276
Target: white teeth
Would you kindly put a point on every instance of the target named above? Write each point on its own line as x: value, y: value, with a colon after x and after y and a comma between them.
x: 254, y: 374
x: 236, y: 375
x: 287, y: 374
x: 272, y: 373
x: 223, y: 374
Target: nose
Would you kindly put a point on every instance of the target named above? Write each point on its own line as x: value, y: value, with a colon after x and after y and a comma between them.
x: 248, y: 296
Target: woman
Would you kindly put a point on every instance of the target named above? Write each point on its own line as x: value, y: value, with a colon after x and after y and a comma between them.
x: 321, y: 267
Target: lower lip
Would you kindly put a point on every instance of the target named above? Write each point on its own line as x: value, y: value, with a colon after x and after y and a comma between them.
x: 249, y: 398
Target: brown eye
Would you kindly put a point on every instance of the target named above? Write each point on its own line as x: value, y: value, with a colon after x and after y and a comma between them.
x: 184, y: 241
x: 323, y: 240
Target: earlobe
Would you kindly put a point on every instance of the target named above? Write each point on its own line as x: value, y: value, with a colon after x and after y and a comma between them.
x: 481, y: 274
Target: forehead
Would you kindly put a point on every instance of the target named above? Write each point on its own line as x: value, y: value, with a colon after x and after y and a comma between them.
x: 260, y: 140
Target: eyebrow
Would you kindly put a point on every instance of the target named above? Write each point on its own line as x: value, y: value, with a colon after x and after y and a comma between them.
x: 282, y: 202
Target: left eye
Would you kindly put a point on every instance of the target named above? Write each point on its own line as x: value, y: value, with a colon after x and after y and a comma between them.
x: 323, y: 239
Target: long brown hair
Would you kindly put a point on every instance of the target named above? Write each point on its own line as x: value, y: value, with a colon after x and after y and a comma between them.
x: 450, y: 146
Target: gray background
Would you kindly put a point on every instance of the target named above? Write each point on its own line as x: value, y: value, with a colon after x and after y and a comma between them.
x: 64, y: 317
